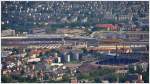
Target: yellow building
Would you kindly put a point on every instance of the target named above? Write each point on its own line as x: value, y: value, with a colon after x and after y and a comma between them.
x: 70, y: 31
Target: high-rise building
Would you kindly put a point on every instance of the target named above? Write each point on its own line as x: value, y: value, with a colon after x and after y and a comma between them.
x: 62, y: 58
x: 77, y: 56
x: 80, y: 57
x: 68, y: 58
x: 59, y: 59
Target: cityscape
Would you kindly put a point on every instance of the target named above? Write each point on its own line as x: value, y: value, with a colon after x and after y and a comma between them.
x: 74, y: 41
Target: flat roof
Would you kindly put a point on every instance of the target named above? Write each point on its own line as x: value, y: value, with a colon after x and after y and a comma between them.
x: 45, y: 36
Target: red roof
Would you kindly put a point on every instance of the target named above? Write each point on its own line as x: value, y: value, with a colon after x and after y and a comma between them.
x: 74, y: 81
x: 105, y: 25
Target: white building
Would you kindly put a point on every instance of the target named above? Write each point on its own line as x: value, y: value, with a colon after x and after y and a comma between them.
x: 59, y: 60
x: 77, y: 56
x: 38, y: 31
x: 68, y: 58
x: 8, y: 32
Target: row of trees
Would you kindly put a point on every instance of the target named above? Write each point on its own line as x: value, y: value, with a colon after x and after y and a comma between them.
x: 95, y: 75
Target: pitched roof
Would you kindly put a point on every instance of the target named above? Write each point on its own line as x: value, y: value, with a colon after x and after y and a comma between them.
x: 105, y: 25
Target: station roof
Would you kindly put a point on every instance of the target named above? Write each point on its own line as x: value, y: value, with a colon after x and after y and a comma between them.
x: 45, y: 36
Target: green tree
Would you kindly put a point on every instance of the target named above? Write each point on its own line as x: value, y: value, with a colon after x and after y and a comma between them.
x: 65, y: 77
x: 6, y: 79
x: 146, y: 76
x: 84, y: 50
x: 97, y: 80
x: 40, y: 55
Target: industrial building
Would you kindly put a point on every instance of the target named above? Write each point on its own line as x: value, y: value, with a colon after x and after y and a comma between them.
x: 49, y: 41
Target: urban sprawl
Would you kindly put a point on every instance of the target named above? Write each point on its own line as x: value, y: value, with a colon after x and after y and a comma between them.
x: 75, y: 41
